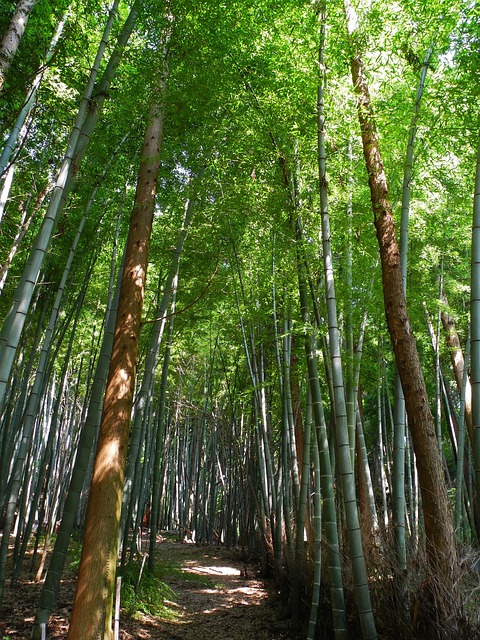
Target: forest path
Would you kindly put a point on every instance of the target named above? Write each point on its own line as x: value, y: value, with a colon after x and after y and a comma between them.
x: 212, y: 599
x: 209, y: 598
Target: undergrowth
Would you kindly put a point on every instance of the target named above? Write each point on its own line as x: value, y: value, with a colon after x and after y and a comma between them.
x: 74, y: 553
x: 153, y: 596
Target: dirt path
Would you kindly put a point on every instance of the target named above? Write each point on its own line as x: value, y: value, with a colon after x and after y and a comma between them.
x: 212, y: 600
x: 209, y: 598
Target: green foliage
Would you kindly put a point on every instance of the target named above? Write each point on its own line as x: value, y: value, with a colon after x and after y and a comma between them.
x: 74, y: 553
x: 154, y: 595
x: 151, y: 595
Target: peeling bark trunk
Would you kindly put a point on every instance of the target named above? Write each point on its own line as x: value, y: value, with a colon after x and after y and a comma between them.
x: 92, y: 608
x: 440, y: 547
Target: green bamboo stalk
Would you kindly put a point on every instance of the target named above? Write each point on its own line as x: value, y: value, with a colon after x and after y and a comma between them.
x: 475, y: 329
x: 89, y: 429
x: 16, y: 130
x: 19, y: 466
x: 461, y: 445
x: 344, y: 460
x: 160, y: 438
x: 300, y: 553
x: 317, y: 551
x: 329, y: 507
x: 79, y: 138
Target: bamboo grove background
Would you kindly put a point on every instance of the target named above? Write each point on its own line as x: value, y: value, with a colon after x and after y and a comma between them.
x: 268, y: 413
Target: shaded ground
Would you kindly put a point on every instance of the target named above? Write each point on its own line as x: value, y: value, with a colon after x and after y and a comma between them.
x: 210, y: 597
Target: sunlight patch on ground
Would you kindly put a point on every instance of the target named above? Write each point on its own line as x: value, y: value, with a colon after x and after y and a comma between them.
x: 211, y: 592
x: 214, y: 610
x: 172, y: 604
x: 249, y: 591
x: 212, y: 571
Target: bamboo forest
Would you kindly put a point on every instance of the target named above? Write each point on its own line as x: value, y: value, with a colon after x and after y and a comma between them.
x: 240, y: 318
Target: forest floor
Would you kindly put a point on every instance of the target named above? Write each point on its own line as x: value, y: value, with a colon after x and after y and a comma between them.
x: 199, y: 593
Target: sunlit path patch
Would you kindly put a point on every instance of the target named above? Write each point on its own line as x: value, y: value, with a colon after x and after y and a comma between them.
x: 224, y: 571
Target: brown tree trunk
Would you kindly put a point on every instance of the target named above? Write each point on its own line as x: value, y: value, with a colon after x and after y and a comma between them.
x: 92, y: 607
x: 440, y: 547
